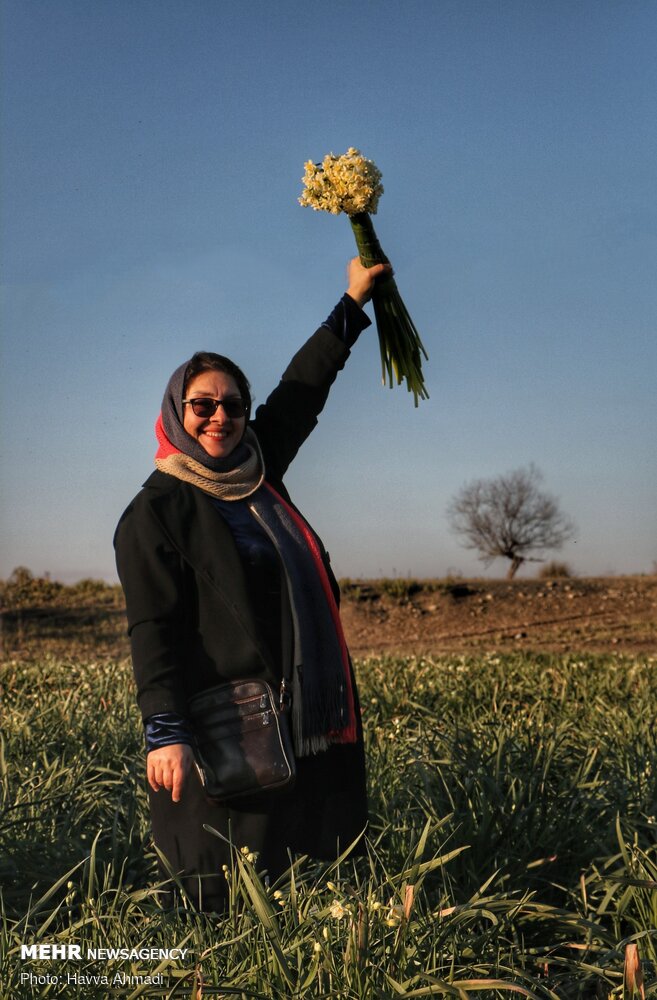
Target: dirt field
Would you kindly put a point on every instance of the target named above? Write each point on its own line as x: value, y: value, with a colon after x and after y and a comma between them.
x: 397, y: 616
x: 616, y: 613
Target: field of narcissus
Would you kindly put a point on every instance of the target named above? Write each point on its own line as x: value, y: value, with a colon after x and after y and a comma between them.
x: 512, y: 846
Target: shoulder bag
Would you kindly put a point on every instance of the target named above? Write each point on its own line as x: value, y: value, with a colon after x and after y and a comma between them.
x: 243, y: 742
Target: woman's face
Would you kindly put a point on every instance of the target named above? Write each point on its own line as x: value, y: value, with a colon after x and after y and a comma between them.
x: 219, y: 434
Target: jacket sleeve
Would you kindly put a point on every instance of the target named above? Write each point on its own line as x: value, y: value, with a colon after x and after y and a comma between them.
x: 153, y: 577
x: 284, y: 421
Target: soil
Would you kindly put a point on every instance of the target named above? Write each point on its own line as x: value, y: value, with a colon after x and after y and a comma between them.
x: 615, y: 614
x: 597, y: 615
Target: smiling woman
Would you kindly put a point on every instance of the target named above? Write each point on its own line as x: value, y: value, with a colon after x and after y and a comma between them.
x: 215, y: 412
x: 227, y: 585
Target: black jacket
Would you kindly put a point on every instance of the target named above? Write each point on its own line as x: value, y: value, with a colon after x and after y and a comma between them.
x: 190, y: 620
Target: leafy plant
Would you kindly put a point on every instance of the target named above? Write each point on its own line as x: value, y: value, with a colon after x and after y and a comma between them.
x: 495, y: 860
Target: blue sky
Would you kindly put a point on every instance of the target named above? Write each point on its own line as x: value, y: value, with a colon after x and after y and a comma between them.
x: 152, y: 156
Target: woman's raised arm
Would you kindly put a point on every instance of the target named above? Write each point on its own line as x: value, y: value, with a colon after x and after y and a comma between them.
x: 289, y: 414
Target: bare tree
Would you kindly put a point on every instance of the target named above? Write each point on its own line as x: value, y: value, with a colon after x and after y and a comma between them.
x: 509, y: 516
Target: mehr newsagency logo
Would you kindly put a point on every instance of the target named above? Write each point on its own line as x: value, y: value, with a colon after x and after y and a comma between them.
x: 74, y: 952
x: 68, y: 952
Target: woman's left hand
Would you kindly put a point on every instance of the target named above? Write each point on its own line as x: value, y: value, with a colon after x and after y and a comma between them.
x: 168, y: 767
x: 362, y: 279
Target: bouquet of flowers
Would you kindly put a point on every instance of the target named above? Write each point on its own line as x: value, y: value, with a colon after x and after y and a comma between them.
x: 352, y: 184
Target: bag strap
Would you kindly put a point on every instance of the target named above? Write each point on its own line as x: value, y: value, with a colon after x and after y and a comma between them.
x: 287, y: 643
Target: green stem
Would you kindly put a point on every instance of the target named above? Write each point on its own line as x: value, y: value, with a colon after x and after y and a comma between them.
x: 399, y: 341
x: 368, y: 245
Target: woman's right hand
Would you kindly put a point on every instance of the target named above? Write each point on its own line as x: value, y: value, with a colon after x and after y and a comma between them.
x: 168, y: 767
x: 361, y: 280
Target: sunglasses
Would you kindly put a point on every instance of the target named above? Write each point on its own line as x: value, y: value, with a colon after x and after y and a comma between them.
x: 204, y: 406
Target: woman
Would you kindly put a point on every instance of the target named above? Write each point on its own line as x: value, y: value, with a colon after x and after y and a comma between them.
x: 211, y: 597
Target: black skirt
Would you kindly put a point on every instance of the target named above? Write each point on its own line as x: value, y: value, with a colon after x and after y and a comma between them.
x: 321, y: 815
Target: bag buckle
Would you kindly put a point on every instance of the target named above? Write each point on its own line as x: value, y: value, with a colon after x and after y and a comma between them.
x: 284, y: 696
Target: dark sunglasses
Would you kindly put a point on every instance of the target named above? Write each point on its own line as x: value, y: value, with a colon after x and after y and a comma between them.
x: 204, y: 406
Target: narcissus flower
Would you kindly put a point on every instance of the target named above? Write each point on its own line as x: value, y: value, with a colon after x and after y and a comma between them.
x: 352, y: 184
x: 337, y: 910
x: 348, y: 183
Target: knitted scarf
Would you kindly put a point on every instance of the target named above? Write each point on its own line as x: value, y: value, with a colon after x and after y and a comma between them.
x: 243, y: 470
x: 323, y: 707
x: 323, y: 710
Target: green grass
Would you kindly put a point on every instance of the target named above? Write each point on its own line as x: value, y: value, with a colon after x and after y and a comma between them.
x: 512, y: 844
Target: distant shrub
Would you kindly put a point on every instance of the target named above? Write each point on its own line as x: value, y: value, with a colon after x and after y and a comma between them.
x: 349, y: 588
x: 554, y: 570
x: 94, y: 593
x: 22, y: 591
x: 400, y: 589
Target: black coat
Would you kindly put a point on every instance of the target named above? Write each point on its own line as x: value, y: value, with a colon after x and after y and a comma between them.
x: 192, y: 625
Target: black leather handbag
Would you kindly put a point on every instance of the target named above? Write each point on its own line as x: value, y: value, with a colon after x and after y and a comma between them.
x: 243, y: 742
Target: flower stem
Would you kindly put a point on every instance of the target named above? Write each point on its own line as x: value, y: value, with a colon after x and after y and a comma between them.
x: 367, y: 242
x: 399, y: 341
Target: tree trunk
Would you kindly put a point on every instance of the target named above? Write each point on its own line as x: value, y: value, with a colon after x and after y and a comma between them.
x: 516, y: 563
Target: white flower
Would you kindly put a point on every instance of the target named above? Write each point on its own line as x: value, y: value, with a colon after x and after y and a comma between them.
x: 349, y: 183
x: 337, y: 910
x: 394, y: 915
